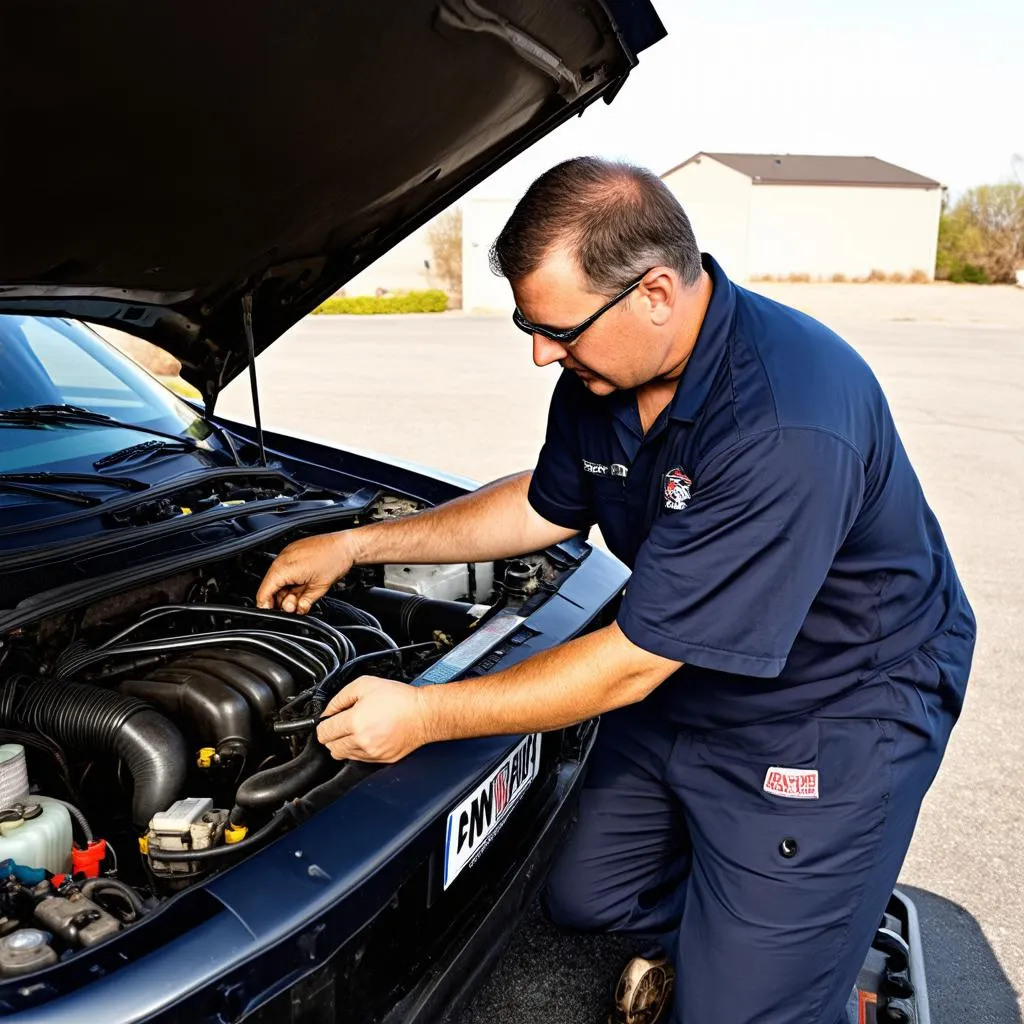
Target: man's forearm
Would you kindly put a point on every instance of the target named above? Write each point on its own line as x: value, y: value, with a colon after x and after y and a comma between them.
x: 495, y: 521
x: 568, y: 684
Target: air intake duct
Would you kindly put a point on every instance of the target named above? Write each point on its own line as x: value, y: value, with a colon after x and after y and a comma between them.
x: 87, y: 718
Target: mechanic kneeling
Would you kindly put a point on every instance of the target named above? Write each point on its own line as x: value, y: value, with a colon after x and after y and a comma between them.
x: 793, y: 647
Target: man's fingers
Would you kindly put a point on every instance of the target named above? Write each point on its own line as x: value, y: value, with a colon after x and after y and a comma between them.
x: 343, y: 699
x: 335, y: 728
x: 269, y: 589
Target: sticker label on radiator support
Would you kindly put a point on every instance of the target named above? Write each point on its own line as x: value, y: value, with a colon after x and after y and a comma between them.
x: 471, y: 649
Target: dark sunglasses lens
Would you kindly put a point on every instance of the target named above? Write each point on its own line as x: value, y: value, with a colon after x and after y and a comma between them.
x: 530, y: 328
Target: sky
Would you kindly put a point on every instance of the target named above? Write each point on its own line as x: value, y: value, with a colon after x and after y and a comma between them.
x: 932, y: 85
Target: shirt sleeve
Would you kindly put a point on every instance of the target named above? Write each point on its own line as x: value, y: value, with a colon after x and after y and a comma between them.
x: 726, y: 582
x: 559, y: 490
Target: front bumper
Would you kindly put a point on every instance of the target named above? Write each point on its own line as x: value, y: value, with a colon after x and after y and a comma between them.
x: 449, y: 974
x: 442, y: 995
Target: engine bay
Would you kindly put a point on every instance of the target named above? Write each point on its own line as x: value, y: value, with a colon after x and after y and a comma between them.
x: 151, y: 739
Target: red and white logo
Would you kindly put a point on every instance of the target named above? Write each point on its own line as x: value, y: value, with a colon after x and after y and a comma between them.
x: 794, y: 783
x: 677, y: 489
x: 501, y: 790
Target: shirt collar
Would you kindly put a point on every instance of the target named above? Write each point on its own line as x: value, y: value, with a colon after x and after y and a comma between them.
x: 710, y: 347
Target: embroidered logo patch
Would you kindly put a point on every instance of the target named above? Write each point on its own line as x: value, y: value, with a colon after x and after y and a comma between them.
x: 597, y: 468
x: 794, y: 783
x: 677, y: 489
x: 618, y: 469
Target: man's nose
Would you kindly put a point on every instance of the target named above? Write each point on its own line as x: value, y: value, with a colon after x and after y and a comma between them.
x: 546, y: 351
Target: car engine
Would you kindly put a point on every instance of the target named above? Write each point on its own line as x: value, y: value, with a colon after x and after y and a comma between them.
x: 158, y: 736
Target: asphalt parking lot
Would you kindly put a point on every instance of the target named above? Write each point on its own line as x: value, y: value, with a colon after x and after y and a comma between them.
x: 460, y: 393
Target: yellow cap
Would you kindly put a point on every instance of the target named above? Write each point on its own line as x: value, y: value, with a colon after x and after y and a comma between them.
x: 234, y: 833
x: 144, y: 845
x: 205, y: 758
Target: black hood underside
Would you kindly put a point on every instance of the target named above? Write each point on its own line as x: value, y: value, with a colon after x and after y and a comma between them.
x: 160, y: 161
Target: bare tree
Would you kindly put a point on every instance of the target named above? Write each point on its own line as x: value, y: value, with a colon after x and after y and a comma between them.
x: 444, y: 236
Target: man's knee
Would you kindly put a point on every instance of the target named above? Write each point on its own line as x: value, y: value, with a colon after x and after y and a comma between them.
x: 568, y: 900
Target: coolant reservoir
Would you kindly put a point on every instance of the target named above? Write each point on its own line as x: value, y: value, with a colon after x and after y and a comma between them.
x: 36, y: 832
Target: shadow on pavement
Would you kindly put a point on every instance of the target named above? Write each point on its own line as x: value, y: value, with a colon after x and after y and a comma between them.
x: 965, y: 981
x: 550, y: 977
x: 559, y: 978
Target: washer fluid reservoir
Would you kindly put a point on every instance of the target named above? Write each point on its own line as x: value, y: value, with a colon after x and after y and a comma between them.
x: 36, y: 832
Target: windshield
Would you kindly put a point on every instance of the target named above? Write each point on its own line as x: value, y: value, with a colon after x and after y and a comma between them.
x: 51, y: 362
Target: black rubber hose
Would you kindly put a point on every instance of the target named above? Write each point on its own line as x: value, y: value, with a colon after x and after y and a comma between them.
x: 306, y: 662
x: 219, y: 714
x: 114, y: 885
x: 378, y: 634
x: 268, y: 789
x: 412, y: 617
x: 357, y: 616
x: 350, y: 774
x: 90, y: 719
x: 273, y: 621
x: 280, y: 817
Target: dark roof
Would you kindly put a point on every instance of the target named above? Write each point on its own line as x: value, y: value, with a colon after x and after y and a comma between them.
x: 792, y: 169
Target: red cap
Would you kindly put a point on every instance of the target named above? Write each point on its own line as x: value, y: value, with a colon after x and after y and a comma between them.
x: 87, y: 862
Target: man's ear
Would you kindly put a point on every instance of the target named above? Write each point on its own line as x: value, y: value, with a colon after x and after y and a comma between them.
x: 660, y: 288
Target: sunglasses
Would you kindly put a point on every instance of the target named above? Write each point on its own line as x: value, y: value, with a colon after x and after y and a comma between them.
x: 570, y: 335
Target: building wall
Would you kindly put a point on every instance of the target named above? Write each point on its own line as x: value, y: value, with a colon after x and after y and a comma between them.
x: 483, y: 291
x: 827, y: 230
x: 717, y: 201
x: 400, y: 269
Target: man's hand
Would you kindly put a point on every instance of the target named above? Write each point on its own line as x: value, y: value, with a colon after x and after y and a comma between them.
x: 375, y: 720
x: 302, y: 573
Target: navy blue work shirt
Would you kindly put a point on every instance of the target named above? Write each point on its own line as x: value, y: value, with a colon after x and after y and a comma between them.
x: 779, y: 540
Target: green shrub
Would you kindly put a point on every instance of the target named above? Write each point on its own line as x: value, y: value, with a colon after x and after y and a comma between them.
x: 434, y: 301
x: 968, y: 273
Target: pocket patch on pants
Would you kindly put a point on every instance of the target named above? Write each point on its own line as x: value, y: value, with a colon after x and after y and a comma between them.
x: 794, y: 783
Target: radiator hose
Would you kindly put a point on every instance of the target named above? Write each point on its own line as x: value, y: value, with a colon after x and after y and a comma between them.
x: 88, y: 718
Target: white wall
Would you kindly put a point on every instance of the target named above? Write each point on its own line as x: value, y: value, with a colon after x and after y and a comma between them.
x: 483, y: 291
x: 826, y: 230
x: 399, y: 269
x: 717, y: 201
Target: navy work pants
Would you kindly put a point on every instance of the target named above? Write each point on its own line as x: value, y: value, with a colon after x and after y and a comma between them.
x: 767, y: 904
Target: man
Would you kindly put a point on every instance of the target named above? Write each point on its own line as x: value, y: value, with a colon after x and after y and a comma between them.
x: 793, y: 646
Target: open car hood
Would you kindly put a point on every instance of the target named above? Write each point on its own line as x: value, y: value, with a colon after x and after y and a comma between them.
x: 162, y: 161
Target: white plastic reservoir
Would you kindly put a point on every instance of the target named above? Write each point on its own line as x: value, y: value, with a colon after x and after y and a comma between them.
x: 43, y: 841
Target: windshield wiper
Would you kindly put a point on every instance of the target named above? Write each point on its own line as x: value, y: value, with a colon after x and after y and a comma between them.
x: 53, y: 485
x: 44, y: 414
x: 74, y: 497
x: 143, y: 450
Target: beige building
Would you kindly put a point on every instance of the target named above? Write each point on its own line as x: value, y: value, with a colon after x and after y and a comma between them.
x: 822, y: 216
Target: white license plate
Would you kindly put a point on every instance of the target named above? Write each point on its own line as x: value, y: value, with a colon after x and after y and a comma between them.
x: 475, y: 822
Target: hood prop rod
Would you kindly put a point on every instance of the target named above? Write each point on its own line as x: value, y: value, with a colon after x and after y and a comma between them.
x: 253, y: 385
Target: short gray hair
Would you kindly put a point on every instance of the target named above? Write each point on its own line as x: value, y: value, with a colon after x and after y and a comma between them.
x: 618, y: 221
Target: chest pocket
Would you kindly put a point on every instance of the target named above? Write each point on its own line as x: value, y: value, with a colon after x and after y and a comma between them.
x: 612, y: 515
